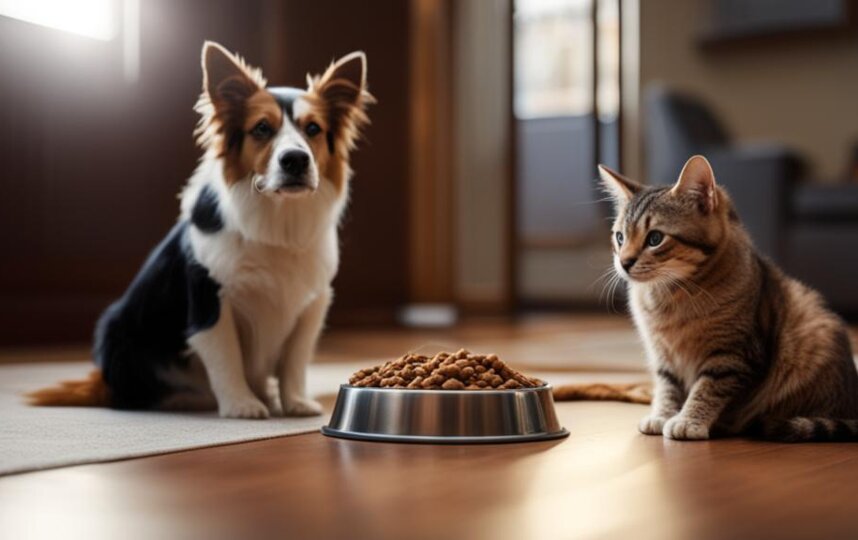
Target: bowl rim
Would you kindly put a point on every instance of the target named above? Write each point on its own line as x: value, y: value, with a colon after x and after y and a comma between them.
x: 506, y: 391
x: 328, y: 431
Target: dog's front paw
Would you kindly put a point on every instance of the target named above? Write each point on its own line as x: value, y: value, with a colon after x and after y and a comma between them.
x: 248, y: 407
x: 652, y: 424
x: 685, y: 429
x: 301, y: 406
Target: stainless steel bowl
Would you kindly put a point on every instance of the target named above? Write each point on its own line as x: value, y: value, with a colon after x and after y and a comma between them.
x: 445, y: 416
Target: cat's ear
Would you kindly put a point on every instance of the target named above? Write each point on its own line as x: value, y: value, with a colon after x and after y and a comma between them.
x: 620, y: 188
x: 698, y: 179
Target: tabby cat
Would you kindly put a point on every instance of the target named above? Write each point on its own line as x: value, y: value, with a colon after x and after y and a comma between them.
x: 734, y: 345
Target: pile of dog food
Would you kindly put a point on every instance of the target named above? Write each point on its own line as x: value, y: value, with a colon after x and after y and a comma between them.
x: 461, y: 370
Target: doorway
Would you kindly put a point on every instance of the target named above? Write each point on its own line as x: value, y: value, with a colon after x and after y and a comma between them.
x: 567, y: 114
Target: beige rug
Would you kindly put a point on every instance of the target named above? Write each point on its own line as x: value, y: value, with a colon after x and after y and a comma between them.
x: 33, y: 438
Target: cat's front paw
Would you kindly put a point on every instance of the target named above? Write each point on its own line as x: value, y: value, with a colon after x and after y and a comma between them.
x: 247, y: 407
x: 685, y: 429
x: 301, y: 406
x: 652, y: 424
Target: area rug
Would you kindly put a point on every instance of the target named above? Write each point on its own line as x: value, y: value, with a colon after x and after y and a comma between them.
x: 34, y: 438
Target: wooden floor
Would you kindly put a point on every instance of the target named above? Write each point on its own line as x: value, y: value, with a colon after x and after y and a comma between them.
x: 604, y: 481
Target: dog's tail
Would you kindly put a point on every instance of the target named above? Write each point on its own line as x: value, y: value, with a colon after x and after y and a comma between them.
x: 808, y: 429
x: 89, y: 392
x: 630, y: 393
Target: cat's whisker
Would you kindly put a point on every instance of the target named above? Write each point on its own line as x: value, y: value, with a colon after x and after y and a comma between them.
x: 695, y: 298
x: 609, y: 291
x: 610, y: 279
x: 671, y: 280
x: 701, y: 289
x: 603, y: 276
x: 675, y: 280
x: 616, y: 282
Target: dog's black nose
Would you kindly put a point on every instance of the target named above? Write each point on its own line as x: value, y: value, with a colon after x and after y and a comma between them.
x: 294, y: 162
x: 628, y: 263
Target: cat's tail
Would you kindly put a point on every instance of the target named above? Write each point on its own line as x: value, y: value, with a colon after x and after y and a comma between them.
x: 89, y: 392
x: 630, y: 393
x: 809, y: 429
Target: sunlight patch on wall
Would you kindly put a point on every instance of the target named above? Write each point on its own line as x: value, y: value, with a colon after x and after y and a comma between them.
x: 96, y: 19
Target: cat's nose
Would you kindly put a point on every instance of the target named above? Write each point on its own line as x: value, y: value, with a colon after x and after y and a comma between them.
x: 628, y: 263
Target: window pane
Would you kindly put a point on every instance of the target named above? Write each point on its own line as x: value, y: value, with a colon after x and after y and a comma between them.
x: 553, y: 58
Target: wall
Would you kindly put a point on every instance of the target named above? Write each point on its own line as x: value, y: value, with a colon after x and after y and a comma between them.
x: 800, y: 90
x: 482, y: 138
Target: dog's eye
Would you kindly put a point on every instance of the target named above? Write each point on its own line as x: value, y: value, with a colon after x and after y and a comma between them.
x: 654, y: 238
x: 312, y: 129
x: 262, y: 130
x: 619, y: 236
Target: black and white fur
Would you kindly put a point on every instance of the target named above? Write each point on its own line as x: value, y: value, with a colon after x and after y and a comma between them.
x: 236, y: 295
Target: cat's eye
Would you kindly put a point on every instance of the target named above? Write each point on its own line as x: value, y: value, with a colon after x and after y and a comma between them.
x: 654, y: 238
x: 619, y: 236
x: 312, y: 129
x: 262, y: 130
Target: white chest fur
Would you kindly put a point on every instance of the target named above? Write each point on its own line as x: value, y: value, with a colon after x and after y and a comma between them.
x: 267, y: 286
x: 272, y: 258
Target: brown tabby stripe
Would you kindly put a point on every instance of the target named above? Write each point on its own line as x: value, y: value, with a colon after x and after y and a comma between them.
x: 705, y: 248
x: 819, y: 430
x: 669, y: 377
x: 640, y: 204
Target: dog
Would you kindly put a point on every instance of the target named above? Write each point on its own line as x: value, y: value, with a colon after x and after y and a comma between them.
x: 227, y: 309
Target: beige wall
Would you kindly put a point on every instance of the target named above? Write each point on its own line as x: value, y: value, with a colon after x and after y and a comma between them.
x: 799, y: 90
x: 481, y: 130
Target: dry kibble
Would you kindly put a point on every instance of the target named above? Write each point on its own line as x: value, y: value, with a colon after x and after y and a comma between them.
x: 453, y: 384
x: 461, y: 370
x: 450, y: 371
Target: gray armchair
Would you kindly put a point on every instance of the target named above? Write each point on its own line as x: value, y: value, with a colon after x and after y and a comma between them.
x: 809, y: 229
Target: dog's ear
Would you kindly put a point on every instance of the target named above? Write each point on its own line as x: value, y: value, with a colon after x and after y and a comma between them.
x: 226, y: 78
x: 342, y: 90
x: 345, y: 79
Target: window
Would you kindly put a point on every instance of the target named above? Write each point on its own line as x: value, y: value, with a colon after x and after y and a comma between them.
x: 92, y: 18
